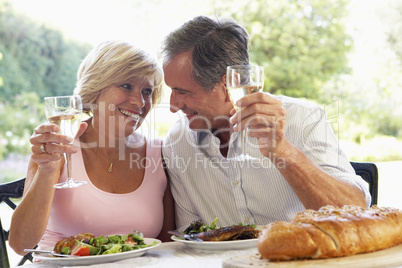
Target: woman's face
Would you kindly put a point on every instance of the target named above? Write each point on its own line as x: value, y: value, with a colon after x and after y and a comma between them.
x: 123, y: 107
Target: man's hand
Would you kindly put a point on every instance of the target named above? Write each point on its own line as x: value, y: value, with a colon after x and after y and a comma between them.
x: 265, y: 117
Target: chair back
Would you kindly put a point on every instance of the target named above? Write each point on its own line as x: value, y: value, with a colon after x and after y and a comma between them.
x: 369, y: 172
x: 8, y: 191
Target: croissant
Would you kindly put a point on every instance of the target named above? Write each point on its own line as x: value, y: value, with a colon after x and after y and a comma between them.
x: 331, y: 232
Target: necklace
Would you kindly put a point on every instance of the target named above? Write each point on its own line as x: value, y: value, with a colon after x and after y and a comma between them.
x: 87, y: 137
x: 110, y: 169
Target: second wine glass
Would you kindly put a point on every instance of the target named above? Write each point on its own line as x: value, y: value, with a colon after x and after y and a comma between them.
x: 66, y: 112
x: 242, y: 80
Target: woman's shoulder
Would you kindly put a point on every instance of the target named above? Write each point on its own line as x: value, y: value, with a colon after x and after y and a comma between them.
x: 155, y: 140
x: 154, y: 146
x: 151, y: 144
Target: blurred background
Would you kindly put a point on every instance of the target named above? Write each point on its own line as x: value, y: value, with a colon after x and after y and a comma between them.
x: 344, y: 55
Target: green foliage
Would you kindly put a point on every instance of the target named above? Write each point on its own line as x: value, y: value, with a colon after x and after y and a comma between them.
x: 18, y: 117
x: 304, y: 48
x: 376, y: 149
x: 363, y: 111
x: 35, y: 61
x: 35, y: 57
x: 395, y: 33
x: 301, y: 44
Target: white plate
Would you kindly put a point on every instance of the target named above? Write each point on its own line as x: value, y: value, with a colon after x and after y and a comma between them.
x: 218, y: 245
x: 87, y: 260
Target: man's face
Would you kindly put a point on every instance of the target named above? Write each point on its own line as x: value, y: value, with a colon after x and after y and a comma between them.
x: 204, y: 110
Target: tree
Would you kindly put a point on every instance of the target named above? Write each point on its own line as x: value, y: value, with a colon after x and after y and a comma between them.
x: 370, y: 97
x: 395, y: 31
x: 301, y: 43
x: 17, y: 120
x: 36, y: 57
x: 36, y: 61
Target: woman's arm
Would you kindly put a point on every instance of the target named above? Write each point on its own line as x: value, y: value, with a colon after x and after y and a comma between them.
x: 169, y: 222
x: 168, y: 215
x: 30, y: 218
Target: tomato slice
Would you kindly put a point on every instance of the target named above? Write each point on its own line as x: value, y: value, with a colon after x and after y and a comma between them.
x: 130, y: 241
x: 80, y: 250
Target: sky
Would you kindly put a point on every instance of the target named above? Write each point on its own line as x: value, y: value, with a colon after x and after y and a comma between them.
x: 144, y: 23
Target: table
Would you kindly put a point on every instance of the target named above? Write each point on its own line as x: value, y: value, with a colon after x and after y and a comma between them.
x: 178, y: 255
x: 169, y: 254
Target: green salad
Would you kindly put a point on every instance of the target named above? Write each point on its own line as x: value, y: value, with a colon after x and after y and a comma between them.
x: 108, y: 245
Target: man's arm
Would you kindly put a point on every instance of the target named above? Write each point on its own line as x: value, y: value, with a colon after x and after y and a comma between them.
x: 266, y: 118
x: 314, y: 187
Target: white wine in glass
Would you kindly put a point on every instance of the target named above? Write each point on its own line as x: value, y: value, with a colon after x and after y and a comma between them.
x: 66, y: 112
x: 242, y: 80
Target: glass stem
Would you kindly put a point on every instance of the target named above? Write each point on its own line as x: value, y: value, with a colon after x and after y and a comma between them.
x: 243, y: 142
x: 68, y: 160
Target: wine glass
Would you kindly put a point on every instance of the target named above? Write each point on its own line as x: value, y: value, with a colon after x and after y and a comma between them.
x: 242, y: 80
x: 66, y: 112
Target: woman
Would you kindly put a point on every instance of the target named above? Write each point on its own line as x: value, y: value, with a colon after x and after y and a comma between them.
x: 127, y: 189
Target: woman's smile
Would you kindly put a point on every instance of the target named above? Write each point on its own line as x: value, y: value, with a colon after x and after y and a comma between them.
x: 130, y: 114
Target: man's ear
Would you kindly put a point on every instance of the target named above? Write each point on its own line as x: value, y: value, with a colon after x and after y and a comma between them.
x: 223, y: 83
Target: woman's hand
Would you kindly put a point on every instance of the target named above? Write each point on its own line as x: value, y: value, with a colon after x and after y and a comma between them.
x: 48, y: 147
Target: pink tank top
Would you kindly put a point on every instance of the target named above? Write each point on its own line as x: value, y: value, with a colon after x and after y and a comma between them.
x: 87, y: 209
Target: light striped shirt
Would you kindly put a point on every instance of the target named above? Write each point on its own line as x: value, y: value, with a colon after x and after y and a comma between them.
x: 206, y: 185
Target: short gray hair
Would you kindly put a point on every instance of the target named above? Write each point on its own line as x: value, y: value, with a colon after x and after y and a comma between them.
x: 214, y: 43
x: 113, y: 62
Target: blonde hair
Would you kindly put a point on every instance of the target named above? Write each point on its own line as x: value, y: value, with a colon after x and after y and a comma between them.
x: 113, y: 62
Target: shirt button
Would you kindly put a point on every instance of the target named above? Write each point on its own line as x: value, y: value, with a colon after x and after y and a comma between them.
x: 236, y: 182
x: 247, y: 220
x: 215, y: 151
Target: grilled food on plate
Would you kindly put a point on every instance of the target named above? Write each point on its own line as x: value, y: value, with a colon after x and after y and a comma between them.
x: 331, y: 232
x: 87, y: 244
x: 71, y: 241
x: 213, y: 233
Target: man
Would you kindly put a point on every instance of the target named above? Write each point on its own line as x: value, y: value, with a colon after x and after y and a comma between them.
x: 300, y: 165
